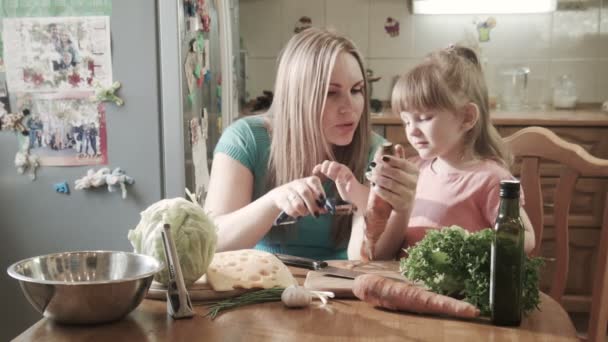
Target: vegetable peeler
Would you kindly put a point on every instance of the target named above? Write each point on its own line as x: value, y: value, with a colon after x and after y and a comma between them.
x: 178, y: 299
x: 335, y: 206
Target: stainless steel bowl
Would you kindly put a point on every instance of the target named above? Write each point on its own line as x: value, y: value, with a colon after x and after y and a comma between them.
x: 85, y: 287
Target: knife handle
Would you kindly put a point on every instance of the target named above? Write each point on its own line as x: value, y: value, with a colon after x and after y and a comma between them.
x: 296, y: 261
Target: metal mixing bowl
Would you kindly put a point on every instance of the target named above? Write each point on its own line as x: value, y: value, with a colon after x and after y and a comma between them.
x: 85, y: 287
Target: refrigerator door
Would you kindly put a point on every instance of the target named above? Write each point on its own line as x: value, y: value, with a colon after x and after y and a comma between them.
x: 36, y: 220
x: 217, y: 95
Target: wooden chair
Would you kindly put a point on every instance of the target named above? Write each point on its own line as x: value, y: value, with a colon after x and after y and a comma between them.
x: 532, y: 144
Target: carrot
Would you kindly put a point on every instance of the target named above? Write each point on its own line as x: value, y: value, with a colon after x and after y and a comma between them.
x: 401, y: 296
x: 376, y: 214
x: 376, y: 218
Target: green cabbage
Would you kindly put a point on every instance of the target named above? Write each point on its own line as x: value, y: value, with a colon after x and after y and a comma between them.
x: 193, y: 232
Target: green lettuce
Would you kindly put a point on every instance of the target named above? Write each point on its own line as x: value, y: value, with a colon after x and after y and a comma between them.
x: 456, y: 263
x: 192, y: 230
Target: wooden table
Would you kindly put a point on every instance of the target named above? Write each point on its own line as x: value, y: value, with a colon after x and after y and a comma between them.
x: 341, y: 320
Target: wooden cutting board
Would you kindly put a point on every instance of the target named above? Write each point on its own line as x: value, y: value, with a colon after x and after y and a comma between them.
x: 200, y: 291
x: 343, y: 288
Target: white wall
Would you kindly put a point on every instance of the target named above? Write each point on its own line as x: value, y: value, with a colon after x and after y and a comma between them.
x: 571, y: 42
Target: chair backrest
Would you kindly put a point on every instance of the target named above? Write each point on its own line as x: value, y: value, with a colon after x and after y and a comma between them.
x: 532, y: 144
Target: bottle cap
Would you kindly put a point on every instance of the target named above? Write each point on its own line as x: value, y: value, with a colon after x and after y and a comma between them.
x: 509, y: 188
x: 387, y: 148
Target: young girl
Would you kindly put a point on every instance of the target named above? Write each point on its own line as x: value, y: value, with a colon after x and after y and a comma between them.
x: 317, y: 127
x: 443, y: 103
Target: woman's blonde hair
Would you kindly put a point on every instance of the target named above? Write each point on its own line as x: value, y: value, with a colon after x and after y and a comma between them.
x: 301, y: 86
x: 447, y: 80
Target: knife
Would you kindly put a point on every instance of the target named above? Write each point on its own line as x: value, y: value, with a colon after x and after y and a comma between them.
x: 318, y: 265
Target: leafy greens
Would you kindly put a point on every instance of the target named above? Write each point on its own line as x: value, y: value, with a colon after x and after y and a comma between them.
x: 454, y: 262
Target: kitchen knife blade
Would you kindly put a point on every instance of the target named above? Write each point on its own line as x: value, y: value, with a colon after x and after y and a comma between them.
x: 318, y: 265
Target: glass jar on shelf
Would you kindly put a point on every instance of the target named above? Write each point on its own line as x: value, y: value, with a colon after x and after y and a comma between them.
x: 564, y: 92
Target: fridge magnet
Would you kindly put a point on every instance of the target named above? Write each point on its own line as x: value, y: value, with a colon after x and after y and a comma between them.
x: 391, y: 27
x: 192, y: 63
x: 198, y: 139
x: 105, y: 94
x: 192, y: 24
x: 203, y: 13
x: 483, y: 29
x: 15, y: 122
x: 195, y: 66
x: 25, y: 160
x: 201, y: 47
x: 190, y: 8
x: 67, y: 129
x: 114, y: 179
x: 302, y: 24
x: 62, y: 188
x: 57, y: 54
x: 118, y: 178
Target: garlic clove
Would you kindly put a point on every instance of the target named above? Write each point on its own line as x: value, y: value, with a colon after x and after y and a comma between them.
x: 296, y: 297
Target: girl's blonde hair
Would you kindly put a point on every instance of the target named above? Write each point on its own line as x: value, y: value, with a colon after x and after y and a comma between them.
x: 301, y: 86
x: 447, y: 80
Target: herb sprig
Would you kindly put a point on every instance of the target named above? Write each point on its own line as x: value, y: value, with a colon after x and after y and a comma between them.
x: 261, y: 296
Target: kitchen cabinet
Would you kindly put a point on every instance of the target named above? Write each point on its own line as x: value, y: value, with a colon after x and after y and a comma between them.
x: 584, y: 126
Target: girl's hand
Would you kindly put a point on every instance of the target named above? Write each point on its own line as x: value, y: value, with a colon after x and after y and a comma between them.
x: 346, y: 182
x: 301, y: 197
x: 394, y: 179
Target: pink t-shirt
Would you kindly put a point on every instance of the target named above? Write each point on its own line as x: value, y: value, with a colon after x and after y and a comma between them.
x: 467, y: 198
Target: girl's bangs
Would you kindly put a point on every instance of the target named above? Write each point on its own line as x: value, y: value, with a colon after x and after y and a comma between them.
x: 421, y: 90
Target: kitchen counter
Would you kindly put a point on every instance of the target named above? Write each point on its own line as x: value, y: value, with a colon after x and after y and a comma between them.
x: 584, y: 115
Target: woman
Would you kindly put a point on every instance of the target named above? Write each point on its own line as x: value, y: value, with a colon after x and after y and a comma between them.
x: 316, y: 130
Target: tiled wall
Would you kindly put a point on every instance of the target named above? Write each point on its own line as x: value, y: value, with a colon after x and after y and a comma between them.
x: 571, y: 42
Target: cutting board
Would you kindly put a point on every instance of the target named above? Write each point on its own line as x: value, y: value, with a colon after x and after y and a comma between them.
x: 200, y: 291
x: 343, y: 288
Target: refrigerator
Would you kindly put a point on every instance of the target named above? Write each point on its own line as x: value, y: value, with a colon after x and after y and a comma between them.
x: 148, y: 137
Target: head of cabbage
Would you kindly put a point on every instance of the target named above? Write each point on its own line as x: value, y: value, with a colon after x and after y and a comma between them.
x: 192, y: 230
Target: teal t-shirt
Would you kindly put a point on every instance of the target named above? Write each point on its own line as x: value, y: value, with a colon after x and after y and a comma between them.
x: 248, y: 142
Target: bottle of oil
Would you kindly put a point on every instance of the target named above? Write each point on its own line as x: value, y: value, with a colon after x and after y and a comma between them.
x: 507, y: 264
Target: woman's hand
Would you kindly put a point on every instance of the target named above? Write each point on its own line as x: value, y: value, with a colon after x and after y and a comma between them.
x: 301, y: 197
x: 346, y: 183
x: 394, y: 179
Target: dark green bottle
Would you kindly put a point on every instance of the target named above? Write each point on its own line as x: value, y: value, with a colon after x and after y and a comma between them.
x: 507, y: 265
